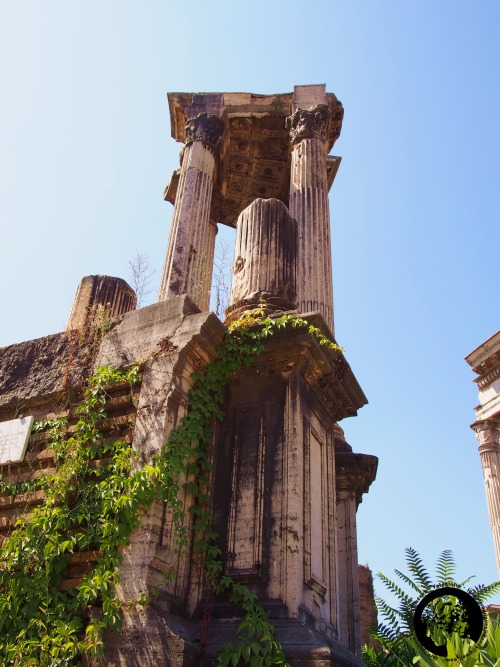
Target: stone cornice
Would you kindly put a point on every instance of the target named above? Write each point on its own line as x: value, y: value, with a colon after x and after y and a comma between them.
x: 326, y: 371
x: 488, y: 378
x: 355, y: 473
x: 485, y: 355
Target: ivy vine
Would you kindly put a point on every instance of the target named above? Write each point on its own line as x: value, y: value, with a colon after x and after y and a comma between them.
x: 94, y: 509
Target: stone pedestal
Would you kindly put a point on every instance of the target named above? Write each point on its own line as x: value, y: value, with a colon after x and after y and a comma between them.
x: 264, y: 259
x: 100, y: 297
x: 275, y: 488
x: 487, y: 434
x: 189, y: 258
x: 175, y: 339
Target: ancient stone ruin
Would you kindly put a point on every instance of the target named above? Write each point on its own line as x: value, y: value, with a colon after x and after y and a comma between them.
x: 285, y: 484
x: 485, y: 362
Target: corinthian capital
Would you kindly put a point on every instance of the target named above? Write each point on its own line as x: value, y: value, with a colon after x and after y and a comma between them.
x: 205, y: 127
x: 487, y: 432
x: 318, y: 122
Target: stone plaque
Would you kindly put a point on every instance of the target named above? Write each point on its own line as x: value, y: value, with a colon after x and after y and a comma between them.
x: 14, y: 436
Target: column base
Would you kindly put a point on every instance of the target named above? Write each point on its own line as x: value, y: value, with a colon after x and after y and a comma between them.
x: 263, y: 300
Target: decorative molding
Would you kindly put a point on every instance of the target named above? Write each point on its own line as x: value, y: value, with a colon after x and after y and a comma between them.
x: 205, y: 127
x: 246, y: 515
x: 482, y: 353
x: 318, y: 122
x: 354, y: 473
x: 315, y: 510
x: 488, y: 378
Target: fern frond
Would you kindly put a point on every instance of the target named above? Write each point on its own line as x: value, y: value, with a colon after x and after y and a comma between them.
x: 445, y: 568
x: 386, y: 635
x: 371, y: 657
x: 482, y: 593
x: 466, y: 581
x: 416, y: 566
x: 405, y: 600
x: 391, y: 616
x: 409, y: 581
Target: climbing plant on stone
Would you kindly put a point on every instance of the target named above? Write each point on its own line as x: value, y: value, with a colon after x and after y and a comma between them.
x: 88, y: 508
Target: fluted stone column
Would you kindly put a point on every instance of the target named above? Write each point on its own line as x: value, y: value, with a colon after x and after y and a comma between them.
x: 353, y: 475
x: 265, y: 259
x: 487, y: 434
x: 309, y: 135
x: 347, y: 547
x: 189, y: 258
x: 347, y: 560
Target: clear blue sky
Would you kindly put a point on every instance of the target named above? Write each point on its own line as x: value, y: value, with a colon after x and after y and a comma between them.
x: 85, y: 152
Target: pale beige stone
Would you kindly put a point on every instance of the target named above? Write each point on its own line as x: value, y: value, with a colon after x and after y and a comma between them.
x: 14, y: 435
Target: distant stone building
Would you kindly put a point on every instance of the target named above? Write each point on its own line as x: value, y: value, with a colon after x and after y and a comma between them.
x: 485, y: 362
x: 368, y: 609
x: 285, y: 484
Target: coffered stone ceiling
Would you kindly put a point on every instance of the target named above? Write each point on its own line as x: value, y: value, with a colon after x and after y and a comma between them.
x: 255, y: 148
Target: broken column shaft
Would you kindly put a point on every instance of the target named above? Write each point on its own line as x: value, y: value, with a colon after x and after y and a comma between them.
x: 264, y: 273
x: 99, y: 298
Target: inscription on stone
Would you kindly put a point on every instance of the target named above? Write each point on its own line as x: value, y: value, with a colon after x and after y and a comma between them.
x: 14, y: 436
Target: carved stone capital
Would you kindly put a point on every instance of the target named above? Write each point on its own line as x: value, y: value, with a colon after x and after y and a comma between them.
x: 354, y: 473
x: 205, y: 127
x: 487, y: 432
x: 318, y: 122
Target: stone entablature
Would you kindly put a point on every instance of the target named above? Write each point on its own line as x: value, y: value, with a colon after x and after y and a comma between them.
x: 487, y: 355
x: 255, y: 147
x: 485, y: 362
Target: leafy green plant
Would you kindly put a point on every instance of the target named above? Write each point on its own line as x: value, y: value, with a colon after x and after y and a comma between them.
x: 397, y: 644
x: 40, y: 624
